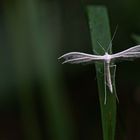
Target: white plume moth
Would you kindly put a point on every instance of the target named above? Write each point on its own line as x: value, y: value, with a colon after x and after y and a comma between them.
x: 78, y: 57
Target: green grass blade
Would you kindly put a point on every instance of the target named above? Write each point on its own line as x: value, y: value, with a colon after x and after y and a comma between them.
x: 100, y: 31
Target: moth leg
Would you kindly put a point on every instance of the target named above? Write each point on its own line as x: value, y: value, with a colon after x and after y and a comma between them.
x: 105, y: 84
x: 113, y: 79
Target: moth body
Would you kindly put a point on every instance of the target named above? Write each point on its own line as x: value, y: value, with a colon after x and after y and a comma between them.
x: 78, y: 57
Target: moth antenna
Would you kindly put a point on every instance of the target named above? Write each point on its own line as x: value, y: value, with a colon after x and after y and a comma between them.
x: 110, y: 43
x: 95, y: 52
x: 101, y: 46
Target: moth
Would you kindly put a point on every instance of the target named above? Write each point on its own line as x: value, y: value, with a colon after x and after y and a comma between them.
x: 106, y: 59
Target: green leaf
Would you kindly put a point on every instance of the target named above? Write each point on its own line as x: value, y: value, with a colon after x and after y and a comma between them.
x: 100, y: 31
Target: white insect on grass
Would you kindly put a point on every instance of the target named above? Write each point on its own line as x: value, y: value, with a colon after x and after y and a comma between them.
x: 107, y: 59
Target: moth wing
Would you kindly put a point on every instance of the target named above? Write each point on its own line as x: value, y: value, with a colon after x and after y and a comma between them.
x: 77, y: 57
x: 129, y: 54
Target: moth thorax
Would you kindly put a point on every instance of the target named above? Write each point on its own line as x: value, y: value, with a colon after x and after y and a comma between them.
x: 107, y: 58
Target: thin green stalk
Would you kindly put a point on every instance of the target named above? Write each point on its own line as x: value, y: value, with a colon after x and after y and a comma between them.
x: 100, y: 32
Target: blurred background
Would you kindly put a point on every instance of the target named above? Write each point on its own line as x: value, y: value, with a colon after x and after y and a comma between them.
x: 40, y: 99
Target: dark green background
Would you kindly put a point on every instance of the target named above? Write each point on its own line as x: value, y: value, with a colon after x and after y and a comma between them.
x: 40, y: 98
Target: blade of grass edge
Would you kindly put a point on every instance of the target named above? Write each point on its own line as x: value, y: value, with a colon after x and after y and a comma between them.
x: 100, y: 31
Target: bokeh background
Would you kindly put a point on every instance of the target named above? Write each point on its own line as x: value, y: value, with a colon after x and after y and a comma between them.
x: 40, y: 99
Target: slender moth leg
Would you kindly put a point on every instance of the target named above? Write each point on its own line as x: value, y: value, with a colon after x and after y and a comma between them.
x: 105, y: 84
x: 113, y: 79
